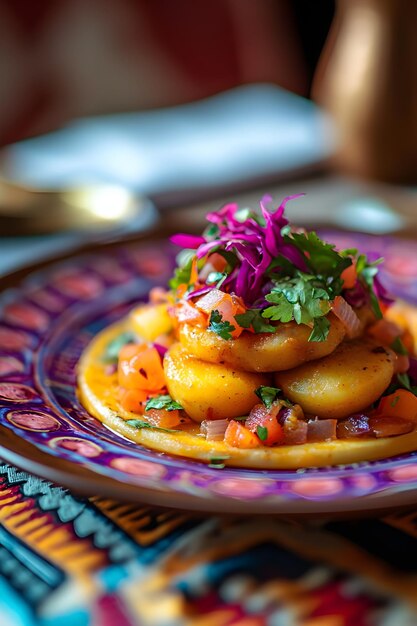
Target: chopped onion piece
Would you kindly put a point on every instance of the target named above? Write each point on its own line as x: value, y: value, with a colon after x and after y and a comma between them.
x: 388, y: 426
x: 347, y: 316
x: 297, y: 434
x: 354, y: 426
x: 321, y: 430
x: 214, y: 429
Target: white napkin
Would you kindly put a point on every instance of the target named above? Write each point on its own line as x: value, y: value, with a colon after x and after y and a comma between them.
x: 239, y: 135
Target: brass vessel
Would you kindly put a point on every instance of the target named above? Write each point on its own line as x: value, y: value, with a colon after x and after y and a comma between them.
x: 367, y: 81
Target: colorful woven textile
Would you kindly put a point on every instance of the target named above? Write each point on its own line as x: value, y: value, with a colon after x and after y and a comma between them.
x: 71, y: 561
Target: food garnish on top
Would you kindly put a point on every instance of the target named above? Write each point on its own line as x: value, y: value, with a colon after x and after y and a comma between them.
x: 267, y: 337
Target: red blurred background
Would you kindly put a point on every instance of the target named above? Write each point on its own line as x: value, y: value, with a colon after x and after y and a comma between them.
x: 61, y: 59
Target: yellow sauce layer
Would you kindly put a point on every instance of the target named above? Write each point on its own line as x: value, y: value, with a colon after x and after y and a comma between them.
x: 98, y: 393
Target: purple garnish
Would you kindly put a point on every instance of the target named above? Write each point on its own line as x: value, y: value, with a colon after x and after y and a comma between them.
x: 262, y: 249
x: 412, y: 371
x: 254, y: 244
x: 358, y: 296
x: 381, y: 293
x: 187, y: 241
x: 160, y: 349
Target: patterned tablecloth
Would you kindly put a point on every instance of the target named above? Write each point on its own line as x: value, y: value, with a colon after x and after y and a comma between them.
x: 71, y: 561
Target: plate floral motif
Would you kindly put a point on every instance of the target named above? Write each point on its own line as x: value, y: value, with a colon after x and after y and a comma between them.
x: 48, y: 319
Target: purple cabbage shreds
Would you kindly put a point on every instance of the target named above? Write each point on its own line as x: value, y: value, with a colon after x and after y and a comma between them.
x: 381, y: 292
x: 412, y: 371
x: 256, y: 241
x: 160, y: 349
x: 358, y: 296
x: 205, y: 248
x: 242, y: 283
x: 295, y: 256
x: 187, y: 241
x: 246, y: 253
x: 199, y: 292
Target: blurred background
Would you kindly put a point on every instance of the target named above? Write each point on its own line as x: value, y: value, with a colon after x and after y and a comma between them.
x: 113, y: 112
x: 64, y: 59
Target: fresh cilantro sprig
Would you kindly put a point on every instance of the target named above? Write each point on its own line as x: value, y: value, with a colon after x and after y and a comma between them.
x: 218, y: 462
x: 111, y: 353
x: 400, y: 381
x: 163, y: 402
x: 321, y: 257
x: 219, y: 326
x: 182, y: 273
x: 398, y: 347
x: 305, y: 299
x: 252, y: 318
x: 262, y: 432
x: 267, y: 395
x: 366, y: 273
x: 142, y: 424
x: 321, y: 328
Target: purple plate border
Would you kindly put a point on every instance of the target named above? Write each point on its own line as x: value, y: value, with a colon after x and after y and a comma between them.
x: 48, y: 319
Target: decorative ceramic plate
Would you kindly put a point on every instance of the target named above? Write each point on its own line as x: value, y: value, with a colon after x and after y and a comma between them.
x: 49, y: 313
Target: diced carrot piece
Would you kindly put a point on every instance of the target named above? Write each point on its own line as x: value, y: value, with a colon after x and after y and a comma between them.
x: 211, y: 301
x: 186, y: 312
x: 163, y: 418
x: 217, y: 261
x: 142, y: 371
x: 227, y: 305
x: 384, y: 331
x: 239, y: 436
x: 261, y: 417
x: 132, y: 399
x: 227, y: 311
x: 401, y: 403
x: 349, y: 276
x: 181, y: 290
x: 384, y: 307
x: 194, y: 272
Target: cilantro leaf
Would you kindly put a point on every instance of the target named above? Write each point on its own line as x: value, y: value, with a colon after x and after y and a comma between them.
x: 400, y: 381
x: 253, y: 317
x: 217, y: 462
x: 262, y: 432
x: 163, y: 402
x: 211, y: 231
x: 322, y: 257
x: 398, y: 347
x: 140, y: 424
x: 222, y: 328
x: 267, y: 395
x: 366, y: 272
x: 182, y: 274
x: 111, y: 353
x: 303, y: 298
x: 404, y: 381
x: 395, y: 401
x: 320, y: 329
x: 282, y: 311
